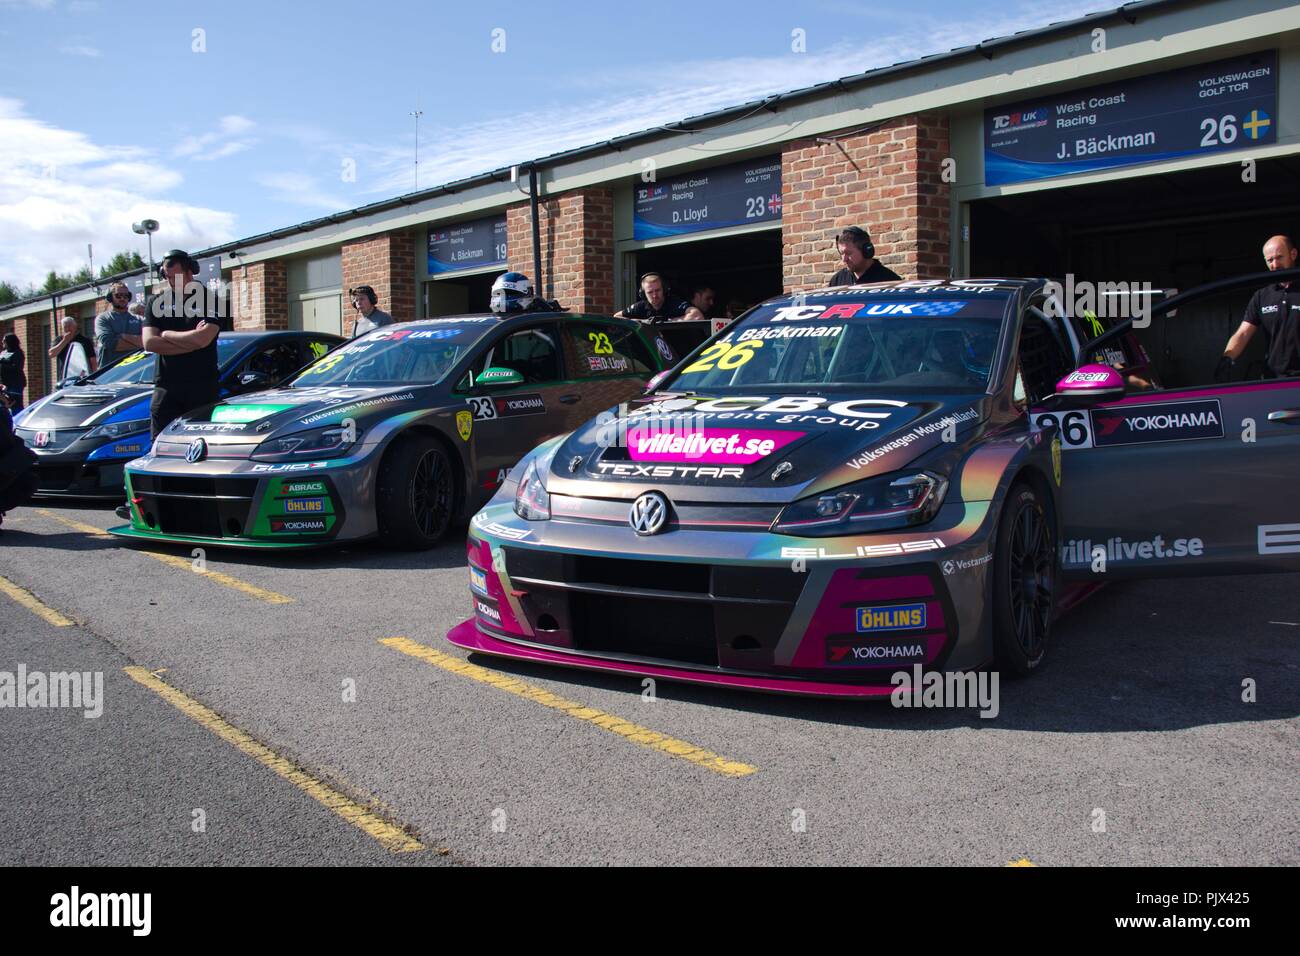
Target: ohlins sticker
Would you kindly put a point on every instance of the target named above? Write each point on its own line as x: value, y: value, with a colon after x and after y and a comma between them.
x: 900, y: 617
x: 855, y: 310
x: 304, y: 505
x: 1171, y: 421
x: 865, y: 550
x: 667, y: 471
x: 893, y: 652
x: 478, y: 580
x: 714, y: 446
x: 297, y: 525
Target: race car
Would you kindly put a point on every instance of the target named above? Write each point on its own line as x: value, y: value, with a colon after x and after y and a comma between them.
x: 85, y: 433
x: 394, y: 435
x: 859, y: 481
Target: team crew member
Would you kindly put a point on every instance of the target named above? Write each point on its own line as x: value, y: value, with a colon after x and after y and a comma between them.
x: 857, y: 252
x: 185, y: 377
x: 702, y: 299
x: 75, y: 352
x: 13, y: 375
x: 17, y: 479
x: 116, y: 329
x: 658, y: 305
x: 1276, y: 307
x: 370, y: 318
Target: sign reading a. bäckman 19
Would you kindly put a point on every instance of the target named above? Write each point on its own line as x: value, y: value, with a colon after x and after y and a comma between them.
x: 468, y: 245
x: 734, y: 195
x: 1229, y: 104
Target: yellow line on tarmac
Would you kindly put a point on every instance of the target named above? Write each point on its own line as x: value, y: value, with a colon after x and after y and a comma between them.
x: 615, y: 725
x: 185, y: 564
x: 34, y: 604
x: 391, y: 837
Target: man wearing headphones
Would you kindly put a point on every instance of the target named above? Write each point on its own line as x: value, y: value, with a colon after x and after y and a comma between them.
x: 658, y: 306
x: 116, y: 329
x: 370, y: 318
x: 857, y: 252
x: 1276, y: 307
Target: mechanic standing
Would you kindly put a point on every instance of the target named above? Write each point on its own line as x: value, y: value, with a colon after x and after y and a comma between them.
x: 658, y: 305
x: 180, y: 328
x: 116, y: 329
x: 702, y: 298
x: 858, y: 253
x: 369, y: 318
x: 1276, y: 307
x: 13, y: 375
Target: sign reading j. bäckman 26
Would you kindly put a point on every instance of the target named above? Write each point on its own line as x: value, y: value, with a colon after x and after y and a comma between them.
x: 739, y: 194
x: 1228, y: 104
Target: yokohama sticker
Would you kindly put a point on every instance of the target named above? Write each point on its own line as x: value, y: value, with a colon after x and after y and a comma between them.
x: 1170, y: 421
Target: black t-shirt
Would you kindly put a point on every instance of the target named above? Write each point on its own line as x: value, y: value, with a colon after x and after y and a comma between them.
x: 12, y: 376
x: 191, y: 371
x: 1277, y: 309
x: 673, y: 308
x: 877, y: 273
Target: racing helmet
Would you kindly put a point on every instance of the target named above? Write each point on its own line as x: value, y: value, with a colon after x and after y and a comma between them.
x: 512, y: 292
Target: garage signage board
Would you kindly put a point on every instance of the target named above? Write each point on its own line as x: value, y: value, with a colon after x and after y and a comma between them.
x: 468, y: 245
x: 738, y: 194
x: 1225, y: 105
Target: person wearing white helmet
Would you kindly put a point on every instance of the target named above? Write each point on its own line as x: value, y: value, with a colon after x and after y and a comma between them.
x: 513, y: 292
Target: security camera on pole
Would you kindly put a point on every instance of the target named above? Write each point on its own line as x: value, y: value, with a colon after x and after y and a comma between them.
x: 147, y: 227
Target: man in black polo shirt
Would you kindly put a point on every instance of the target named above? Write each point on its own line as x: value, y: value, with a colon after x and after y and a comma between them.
x: 179, y: 328
x: 658, y: 306
x: 857, y: 252
x: 1276, y: 308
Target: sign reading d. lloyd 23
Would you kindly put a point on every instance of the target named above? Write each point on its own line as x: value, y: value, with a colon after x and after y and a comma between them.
x: 1225, y: 105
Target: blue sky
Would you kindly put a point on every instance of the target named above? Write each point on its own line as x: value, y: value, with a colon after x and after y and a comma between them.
x: 108, y: 113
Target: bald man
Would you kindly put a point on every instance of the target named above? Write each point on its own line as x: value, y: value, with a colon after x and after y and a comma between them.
x: 75, y: 353
x: 1276, y: 307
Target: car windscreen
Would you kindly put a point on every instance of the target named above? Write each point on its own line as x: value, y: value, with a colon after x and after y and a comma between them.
x: 933, y: 342
x: 138, y: 367
x: 416, y: 355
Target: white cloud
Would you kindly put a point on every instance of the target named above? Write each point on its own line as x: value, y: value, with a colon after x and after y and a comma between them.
x: 63, y: 190
x: 627, y: 100
x: 74, y: 49
x: 228, y: 138
x: 301, y: 189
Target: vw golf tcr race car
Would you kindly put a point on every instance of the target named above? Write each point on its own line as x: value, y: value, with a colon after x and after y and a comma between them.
x: 860, y: 480
x: 83, y: 434
x: 394, y: 435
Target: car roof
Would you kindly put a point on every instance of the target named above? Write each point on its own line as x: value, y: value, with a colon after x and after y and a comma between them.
x: 248, y: 335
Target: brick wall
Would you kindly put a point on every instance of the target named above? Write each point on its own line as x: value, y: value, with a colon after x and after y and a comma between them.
x: 577, y: 234
x: 259, y: 296
x: 387, y: 264
x: 887, y: 180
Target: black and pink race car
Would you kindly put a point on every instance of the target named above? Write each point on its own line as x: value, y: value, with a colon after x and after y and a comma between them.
x: 851, y: 482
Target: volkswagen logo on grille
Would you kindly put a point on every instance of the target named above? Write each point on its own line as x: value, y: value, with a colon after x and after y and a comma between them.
x: 649, y: 513
x: 198, y: 448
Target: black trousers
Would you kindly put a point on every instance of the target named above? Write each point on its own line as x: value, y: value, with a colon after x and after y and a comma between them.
x: 169, y: 404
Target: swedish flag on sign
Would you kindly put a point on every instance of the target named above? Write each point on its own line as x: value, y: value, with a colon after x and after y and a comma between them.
x: 1257, y: 124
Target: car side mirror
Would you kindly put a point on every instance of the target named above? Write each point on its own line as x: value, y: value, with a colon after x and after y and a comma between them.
x: 1086, y: 386
x: 255, y: 380
x: 497, y: 377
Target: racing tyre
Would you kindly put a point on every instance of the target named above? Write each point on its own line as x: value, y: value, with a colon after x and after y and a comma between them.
x: 1024, y: 582
x: 416, y: 494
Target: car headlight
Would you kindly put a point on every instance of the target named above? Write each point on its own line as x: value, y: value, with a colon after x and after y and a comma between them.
x: 878, y: 504
x: 532, y: 502
x: 117, y: 429
x: 329, y: 442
